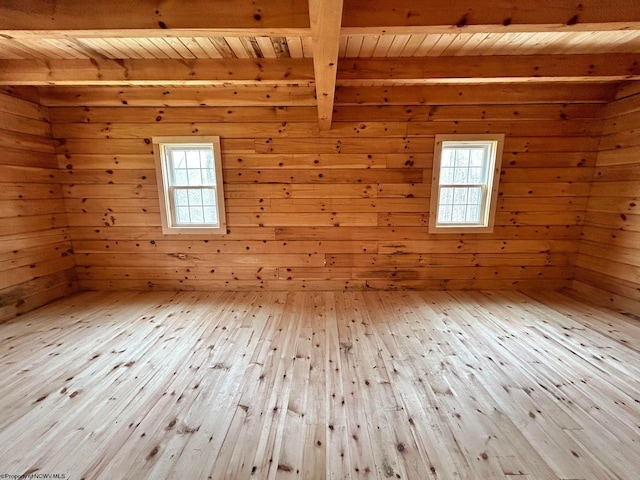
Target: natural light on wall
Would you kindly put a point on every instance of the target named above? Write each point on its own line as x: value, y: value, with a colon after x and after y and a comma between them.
x: 465, y: 183
x: 190, y: 184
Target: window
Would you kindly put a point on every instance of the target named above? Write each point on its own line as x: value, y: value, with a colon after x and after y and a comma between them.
x: 465, y: 183
x: 189, y: 173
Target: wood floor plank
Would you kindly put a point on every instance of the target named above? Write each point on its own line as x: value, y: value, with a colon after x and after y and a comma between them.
x: 321, y: 385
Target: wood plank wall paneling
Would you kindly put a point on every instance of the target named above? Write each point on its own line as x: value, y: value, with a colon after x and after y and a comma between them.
x: 310, y: 209
x: 36, y: 256
x: 608, y: 262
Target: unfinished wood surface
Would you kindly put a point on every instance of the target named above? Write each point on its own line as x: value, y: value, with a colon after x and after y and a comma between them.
x: 36, y: 256
x: 608, y: 263
x: 325, y: 18
x: 145, y: 16
x: 321, y: 385
x: 361, y: 192
x: 296, y: 53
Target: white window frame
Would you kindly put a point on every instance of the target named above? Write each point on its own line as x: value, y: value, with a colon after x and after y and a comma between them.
x: 489, y: 188
x: 167, y: 186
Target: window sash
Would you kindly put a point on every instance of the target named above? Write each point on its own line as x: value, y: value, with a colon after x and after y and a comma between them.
x: 481, y: 204
x: 173, y: 206
x: 465, y: 163
x: 190, y: 184
x: 173, y: 171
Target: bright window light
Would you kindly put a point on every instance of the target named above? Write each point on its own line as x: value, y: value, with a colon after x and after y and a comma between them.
x: 465, y: 182
x: 190, y: 184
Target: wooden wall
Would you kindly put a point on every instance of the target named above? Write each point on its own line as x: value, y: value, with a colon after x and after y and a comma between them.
x: 608, y: 264
x: 308, y: 209
x: 36, y: 259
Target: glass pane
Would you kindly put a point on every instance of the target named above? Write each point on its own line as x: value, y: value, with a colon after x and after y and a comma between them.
x: 475, y: 195
x: 473, y: 214
x: 444, y: 214
x: 477, y: 156
x: 180, y: 177
x: 475, y: 175
x: 195, y: 196
x: 209, y: 177
x: 197, y: 215
x: 460, y: 196
x: 461, y: 176
x: 462, y: 157
x: 208, y: 196
x: 182, y: 215
x: 180, y: 196
x: 446, y: 176
x: 446, y: 159
x: 458, y: 214
x: 195, y: 178
x: 208, y: 159
x: 193, y: 159
x: 178, y: 158
x: 210, y: 215
x: 446, y: 195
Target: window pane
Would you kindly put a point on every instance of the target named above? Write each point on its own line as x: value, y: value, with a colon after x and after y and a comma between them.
x: 191, y: 208
x: 475, y: 195
x: 182, y: 215
x: 461, y: 176
x: 460, y: 196
x: 473, y: 214
x: 446, y: 175
x: 178, y: 158
x: 460, y: 205
x: 197, y: 215
x: 446, y: 195
x: 462, y: 157
x: 444, y: 214
x: 180, y: 177
x: 180, y: 196
x: 210, y: 215
x: 193, y: 159
x: 195, y: 196
x: 195, y: 178
x: 208, y: 196
x: 208, y: 159
x: 458, y: 214
x: 208, y: 177
x: 477, y: 157
x: 446, y: 158
x: 475, y: 175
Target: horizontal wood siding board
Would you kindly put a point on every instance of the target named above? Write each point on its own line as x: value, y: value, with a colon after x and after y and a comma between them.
x: 275, y: 96
x: 177, y: 115
x: 24, y: 297
x: 608, y: 265
x: 293, y: 129
x: 36, y: 253
x: 347, y: 207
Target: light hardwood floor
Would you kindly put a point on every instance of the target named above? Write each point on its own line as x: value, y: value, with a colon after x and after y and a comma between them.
x: 411, y: 385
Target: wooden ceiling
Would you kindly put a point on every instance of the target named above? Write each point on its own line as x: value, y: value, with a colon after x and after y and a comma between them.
x: 302, y: 47
x: 351, y: 46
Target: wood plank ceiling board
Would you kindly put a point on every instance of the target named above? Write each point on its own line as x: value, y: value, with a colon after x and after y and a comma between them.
x: 477, y: 44
x: 409, y: 16
x: 322, y: 43
x: 61, y: 15
x: 147, y: 72
x: 480, y: 69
